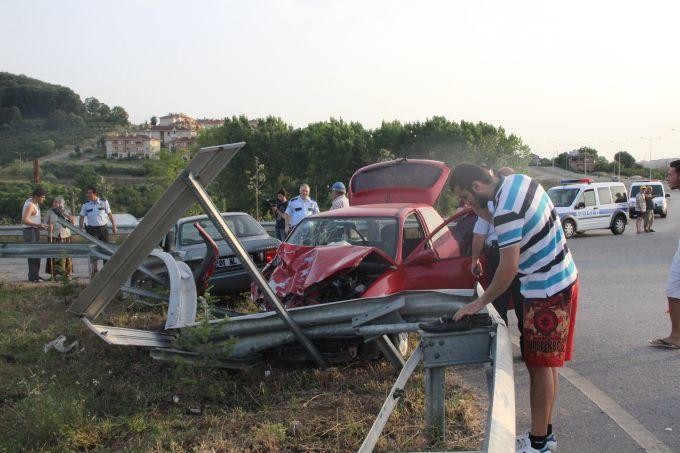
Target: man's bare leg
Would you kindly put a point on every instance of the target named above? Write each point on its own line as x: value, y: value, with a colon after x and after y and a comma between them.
x: 541, y: 394
x: 674, y: 312
x: 556, y: 387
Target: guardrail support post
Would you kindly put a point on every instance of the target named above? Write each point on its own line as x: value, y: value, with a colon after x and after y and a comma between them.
x: 435, y: 410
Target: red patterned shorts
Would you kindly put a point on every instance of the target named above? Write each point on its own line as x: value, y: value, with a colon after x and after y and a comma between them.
x: 548, y: 328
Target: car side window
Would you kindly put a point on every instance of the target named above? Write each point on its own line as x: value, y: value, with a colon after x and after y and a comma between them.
x: 605, y: 195
x: 413, y: 235
x: 589, y: 197
x: 620, y: 195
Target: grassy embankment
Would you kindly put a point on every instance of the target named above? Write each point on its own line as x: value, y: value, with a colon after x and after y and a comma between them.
x: 113, y: 398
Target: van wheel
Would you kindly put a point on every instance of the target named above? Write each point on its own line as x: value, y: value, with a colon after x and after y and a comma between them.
x: 569, y: 228
x: 619, y: 225
x: 664, y: 213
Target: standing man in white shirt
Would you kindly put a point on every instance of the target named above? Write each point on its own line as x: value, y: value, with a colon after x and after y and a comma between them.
x: 98, y: 213
x: 31, y: 221
x: 299, y: 208
x: 340, y: 200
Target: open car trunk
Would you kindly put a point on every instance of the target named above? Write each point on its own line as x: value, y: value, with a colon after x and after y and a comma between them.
x: 302, y: 275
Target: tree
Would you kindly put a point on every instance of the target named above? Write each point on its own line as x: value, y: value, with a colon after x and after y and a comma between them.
x: 119, y: 115
x: 626, y: 159
x: 256, y: 180
x: 154, y: 120
x: 92, y: 106
x: 87, y: 177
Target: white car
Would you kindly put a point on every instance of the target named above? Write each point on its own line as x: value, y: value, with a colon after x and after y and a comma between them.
x: 659, y: 192
x: 584, y: 205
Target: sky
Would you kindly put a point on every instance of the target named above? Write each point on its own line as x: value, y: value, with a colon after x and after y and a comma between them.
x: 560, y: 75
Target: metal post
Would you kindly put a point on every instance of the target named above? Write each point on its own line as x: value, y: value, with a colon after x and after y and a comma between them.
x: 214, y: 214
x: 435, y: 410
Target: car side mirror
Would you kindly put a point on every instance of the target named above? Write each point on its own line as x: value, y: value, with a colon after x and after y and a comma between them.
x: 668, y: 195
x: 580, y: 205
x: 422, y: 257
x: 169, y: 242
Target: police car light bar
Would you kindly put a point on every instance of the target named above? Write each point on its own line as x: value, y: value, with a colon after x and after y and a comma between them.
x: 572, y: 181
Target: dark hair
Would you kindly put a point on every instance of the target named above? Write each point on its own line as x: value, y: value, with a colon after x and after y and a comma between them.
x: 281, y: 192
x: 93, y: 190
x: 676, y: 166
x: 463, y: 176
x: 39, y: 192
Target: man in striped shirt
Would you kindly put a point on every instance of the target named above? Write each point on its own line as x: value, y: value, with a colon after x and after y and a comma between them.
x: 532, y: 246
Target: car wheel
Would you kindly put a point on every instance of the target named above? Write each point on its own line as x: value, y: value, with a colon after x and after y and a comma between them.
x: 619, y: 225
x: 569, y: 228
x: 664, y: 213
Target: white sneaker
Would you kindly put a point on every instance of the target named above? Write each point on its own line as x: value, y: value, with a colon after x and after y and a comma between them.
x: 523, y: 444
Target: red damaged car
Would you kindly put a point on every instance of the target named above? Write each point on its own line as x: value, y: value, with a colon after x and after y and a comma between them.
x: 389, y: 240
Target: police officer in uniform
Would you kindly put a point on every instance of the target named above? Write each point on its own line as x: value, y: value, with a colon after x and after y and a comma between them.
x: 98, y: 212
x: 299, y: 208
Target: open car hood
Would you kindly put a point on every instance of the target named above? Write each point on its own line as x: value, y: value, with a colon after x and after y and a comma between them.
x: 302, y: 267
x: 399, y: 181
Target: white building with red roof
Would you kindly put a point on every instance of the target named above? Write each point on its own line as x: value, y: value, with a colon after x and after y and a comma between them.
x: 139, y: 146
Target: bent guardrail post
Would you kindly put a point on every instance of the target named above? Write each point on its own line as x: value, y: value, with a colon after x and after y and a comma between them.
x: 104, y: 246
x: 174, y: 202
x: 248, y: 264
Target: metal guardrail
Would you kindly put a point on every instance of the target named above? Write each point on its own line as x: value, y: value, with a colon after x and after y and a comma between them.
x: 124, y: 230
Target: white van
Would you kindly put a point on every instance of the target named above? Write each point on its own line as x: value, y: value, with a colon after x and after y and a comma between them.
x: 586, y: 205
x: 659, y: 192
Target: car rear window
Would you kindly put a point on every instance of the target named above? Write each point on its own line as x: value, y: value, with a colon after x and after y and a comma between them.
x: 401, y: 174
x: 242, y: 226
x: 657, y: 190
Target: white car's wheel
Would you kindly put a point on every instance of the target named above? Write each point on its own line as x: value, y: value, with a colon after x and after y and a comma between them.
x: 569, y: 228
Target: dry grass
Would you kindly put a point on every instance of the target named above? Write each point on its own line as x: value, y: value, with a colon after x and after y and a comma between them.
x: 99, y: 397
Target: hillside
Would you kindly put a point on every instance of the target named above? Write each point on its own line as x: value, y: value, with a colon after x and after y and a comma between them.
x: 37, y: 118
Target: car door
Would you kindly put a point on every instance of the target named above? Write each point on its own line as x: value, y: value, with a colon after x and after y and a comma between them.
x: 606, y: 207
x: 587, y: 211
x: 442, y: 261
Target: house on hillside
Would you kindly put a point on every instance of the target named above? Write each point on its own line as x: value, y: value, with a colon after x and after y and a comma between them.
x: 166, y: 134
x: 139, y: 146
x: 181, y: 144
x: 208, y: 123
x: 178, y: 120
x: 581, y: 162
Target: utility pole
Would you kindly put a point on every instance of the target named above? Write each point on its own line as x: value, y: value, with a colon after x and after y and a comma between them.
x: 650, y: 140
x: 619, y: 153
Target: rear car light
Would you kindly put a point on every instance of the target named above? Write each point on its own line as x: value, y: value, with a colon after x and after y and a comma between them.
x: 269, y: 255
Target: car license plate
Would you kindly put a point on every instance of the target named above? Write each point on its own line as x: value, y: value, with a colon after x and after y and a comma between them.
x: 227, y: 262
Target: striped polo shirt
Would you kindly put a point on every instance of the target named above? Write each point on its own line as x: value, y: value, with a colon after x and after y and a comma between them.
x: 525, y: 215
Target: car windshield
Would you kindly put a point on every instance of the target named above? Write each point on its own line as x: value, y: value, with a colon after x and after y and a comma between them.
x: 379, y: 232
x: 561, y: 197
x: 656, y: 190
x: 242, y: 225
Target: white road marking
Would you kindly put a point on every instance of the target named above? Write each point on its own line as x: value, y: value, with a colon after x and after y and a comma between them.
x: 641, y: 435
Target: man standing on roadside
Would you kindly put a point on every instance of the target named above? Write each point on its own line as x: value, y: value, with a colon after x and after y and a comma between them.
x: 98, y: 212
x: 641, y: 208
x: 299, y: 208
x: 531, y: 245
x: 649, y: 210
x: 279, y: 210
x: 31, y: 221
x: 672, y: 341
x: 340, y: 200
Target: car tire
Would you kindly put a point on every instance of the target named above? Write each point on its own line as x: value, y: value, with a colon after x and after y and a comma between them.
x: 619, y: 225
x: 664, y: 213
x: 569, y: 228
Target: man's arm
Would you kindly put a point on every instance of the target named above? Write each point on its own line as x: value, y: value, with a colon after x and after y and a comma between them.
x: 507, y: 270
x: 81, y: 222
x: 113, y: 222
x: 477, y: 247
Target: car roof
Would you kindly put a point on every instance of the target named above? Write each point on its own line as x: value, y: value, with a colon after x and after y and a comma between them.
x: 646, y: 183
x: 591, y: 184
x: 193, y: 218
x: 374, y: 210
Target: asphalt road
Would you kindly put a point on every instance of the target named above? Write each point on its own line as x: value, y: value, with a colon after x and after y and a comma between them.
x: 622, y: 304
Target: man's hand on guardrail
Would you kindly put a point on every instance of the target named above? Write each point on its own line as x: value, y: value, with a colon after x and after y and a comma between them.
x: 469, y: 309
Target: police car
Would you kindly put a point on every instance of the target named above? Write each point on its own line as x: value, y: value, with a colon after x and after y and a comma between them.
x: 659, y: 192
x: 584, y: 205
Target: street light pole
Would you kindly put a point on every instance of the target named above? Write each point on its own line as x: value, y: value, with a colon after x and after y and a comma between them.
x: 650, y: 140
x: 619, y: 153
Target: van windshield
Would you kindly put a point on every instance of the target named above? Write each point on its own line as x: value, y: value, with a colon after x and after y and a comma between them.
x: 656, y: 190
x: 562, y: 198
